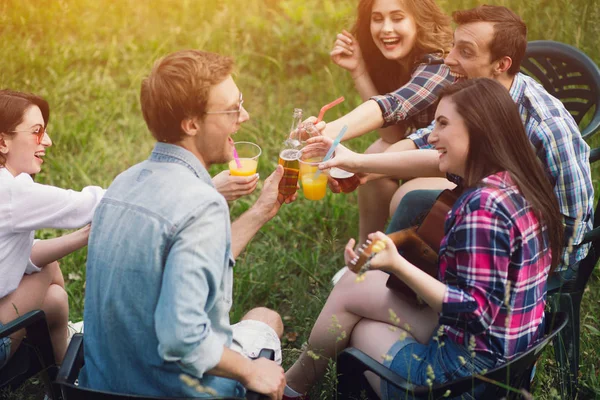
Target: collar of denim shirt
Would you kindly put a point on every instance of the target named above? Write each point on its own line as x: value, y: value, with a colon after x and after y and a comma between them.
x: 167, y: 152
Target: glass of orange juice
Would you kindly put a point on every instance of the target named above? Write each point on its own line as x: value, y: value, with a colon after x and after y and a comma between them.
x: 314, y: 185
x: 248, y: 154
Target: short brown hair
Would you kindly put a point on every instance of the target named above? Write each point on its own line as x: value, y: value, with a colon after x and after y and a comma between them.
x: 434, y: 35
x: 498, y: 142
x: 178, y: 88
x: 13, y: 106
x: 510, y: 32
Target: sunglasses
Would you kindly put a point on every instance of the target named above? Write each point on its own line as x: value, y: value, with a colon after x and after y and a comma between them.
x: 235, y: 112
x: 39, y: 133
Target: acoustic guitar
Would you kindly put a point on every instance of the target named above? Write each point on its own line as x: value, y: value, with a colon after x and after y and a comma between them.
x: 419, y: 244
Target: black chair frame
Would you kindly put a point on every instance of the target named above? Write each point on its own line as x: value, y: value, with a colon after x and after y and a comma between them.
x: 74, y: 361
x: 35, y: 354
x: 352, y: 363
x: 569, y: 75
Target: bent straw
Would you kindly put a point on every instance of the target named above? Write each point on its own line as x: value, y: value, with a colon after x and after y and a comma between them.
x: 236, y: 158
x: 336, y: 141
x: 327, y: 107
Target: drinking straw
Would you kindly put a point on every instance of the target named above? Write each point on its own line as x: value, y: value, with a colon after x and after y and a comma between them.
x: 336, y: 141
x: 236, y: 158
x: 327, y: 107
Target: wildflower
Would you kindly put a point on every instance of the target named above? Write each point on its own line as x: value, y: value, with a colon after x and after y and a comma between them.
x: 462, y: 360
x: 392, y: 328
x: 406, y: 327
x: 360, y: 277
x: 430, y: 372
x: 393, y: 317
x: 387, y: 357
x: 195, y: 384
x: 472, y: 343
x: 403, y: 335
x: 313, y: 355
x: 335, y: 325
x: 341, y: 337
x: 447, y: 394
x: 429, y: 382
x: 507, y: 293
x: 440, y: 331
x: 416, y: 357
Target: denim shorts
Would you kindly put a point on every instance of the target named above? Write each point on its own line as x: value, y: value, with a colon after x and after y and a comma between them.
x: 448, y: 362
x: 4, y: 349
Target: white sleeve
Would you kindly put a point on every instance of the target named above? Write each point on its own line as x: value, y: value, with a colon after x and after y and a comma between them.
x: 31, y: 267
x: 36, y: 206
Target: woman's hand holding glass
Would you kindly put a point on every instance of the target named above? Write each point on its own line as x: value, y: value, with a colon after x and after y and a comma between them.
x: 346, y: 53
x: 344, y: 158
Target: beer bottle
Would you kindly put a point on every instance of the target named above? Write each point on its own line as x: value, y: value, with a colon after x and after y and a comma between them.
x: 288, y: 157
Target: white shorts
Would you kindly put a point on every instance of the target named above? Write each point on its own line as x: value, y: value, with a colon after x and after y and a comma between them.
x: 251, y: 336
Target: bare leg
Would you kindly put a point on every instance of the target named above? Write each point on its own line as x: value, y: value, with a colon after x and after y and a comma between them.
x: 347, y: 304
x: 267, y: 316
x: 41, y: 290
x: 375, y: 339
x: 418, y: 184
x: 374, y: 198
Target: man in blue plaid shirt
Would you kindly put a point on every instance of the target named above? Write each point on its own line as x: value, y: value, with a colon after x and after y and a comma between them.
x: 490, y: 41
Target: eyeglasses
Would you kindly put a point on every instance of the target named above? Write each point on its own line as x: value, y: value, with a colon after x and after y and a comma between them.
x: 236, y: 112
x: 39, y: 133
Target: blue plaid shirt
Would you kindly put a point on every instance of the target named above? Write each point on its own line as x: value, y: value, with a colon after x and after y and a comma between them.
x: 558, y: 144
x: 412, y: 102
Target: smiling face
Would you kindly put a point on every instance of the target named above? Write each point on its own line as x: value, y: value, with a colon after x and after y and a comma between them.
x: 213, y: 141
x: 393, y: 29
x: 450, y: 138
x: 22, y: 152
x: 470, y: 56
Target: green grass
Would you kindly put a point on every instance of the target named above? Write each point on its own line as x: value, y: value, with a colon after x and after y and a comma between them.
x: 87, y: 57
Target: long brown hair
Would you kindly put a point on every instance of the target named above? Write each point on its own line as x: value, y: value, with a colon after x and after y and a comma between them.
x: 434, y: 35
x: 13, y: 106
x: 498, y: 142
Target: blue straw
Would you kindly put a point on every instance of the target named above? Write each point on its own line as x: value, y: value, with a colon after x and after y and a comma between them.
x: 336, y: 141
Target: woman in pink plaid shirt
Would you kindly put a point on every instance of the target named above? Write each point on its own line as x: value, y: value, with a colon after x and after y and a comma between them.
x: 502, y: 238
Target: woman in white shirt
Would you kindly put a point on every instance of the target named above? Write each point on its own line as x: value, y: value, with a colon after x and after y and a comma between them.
x: 30, y: 277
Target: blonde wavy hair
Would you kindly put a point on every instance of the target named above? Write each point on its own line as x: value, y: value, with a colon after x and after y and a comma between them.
x: 434, y: 36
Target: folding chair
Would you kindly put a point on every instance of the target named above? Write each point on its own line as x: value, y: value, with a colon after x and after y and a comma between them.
x: 572, y: 77
x: 34, y: 355
x: 74, y: 361
x: 506, y: 380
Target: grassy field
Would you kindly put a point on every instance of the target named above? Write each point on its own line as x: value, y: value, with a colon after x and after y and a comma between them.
x: 87, y: 57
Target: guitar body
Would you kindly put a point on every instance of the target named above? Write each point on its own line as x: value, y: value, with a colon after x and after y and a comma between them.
x: 420, y: 245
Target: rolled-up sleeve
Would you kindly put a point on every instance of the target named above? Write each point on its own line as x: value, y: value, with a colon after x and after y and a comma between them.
x: 418, y: 94
x: 480, y: 250
x: 191, y: 288
x: 421, y: 137
x: 36, y: 206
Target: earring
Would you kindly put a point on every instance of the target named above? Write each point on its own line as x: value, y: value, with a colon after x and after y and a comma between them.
x: 4, y: 150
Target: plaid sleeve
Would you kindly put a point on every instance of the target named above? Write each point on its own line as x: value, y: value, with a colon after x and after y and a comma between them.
x: 421, y: 136
x: 417, y: 95
x: 566, y: 158
x: 480, y: 253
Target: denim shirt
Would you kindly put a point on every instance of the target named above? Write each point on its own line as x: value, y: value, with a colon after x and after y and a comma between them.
x: 159, y: 279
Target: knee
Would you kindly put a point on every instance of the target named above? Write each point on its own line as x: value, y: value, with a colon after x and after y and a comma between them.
x: 378, y: 146
x: 268, y: 316
x: 56, y: 304
x: 53, y: 268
